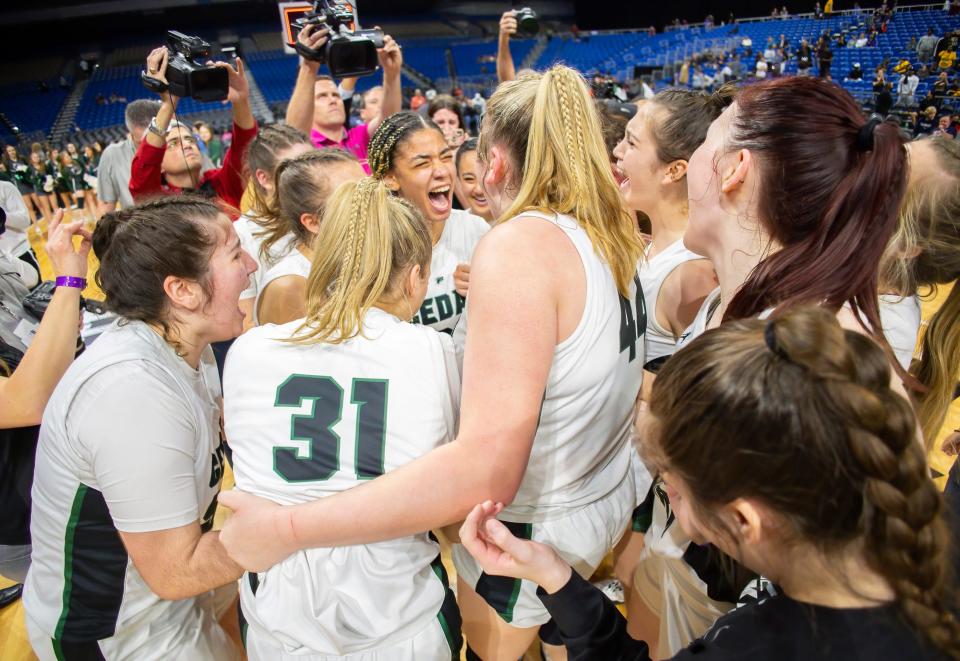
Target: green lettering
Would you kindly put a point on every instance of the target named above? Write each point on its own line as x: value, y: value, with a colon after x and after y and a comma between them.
x: 426, y: 312
x: 444, y: 307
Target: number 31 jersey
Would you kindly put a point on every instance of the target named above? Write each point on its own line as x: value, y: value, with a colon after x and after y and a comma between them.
x: 305, y: 421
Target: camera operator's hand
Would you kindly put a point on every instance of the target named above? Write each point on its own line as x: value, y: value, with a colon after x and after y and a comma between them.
x: 508, y: 24
x: 157, y: 68
x: 313, y: 37
x: 239, y: 91
x: 391, y: 57
x: 68, y: 260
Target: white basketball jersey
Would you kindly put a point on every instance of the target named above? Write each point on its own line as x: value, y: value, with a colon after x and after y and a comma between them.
x: 581, y: 450
x: 900, y: 318
x: 658, y: 341
x: 308, y: 421
x: 293, y: 263
x: 82, y: 585
x: 442, y: 306
x: 250, y: 240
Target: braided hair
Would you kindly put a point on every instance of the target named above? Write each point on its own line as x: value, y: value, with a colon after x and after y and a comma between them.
x: 368, y: 240
x: 828, y: 446
x: 299, y: 187
x: 390, y: 135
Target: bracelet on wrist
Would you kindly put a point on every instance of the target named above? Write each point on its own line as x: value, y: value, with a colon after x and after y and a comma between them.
x: 71, y: 281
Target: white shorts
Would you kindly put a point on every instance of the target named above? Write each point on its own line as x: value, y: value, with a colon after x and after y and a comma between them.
x: 440, y: 640
x: 196, y: 636
x: 672, y: 591
x: 582, y: 538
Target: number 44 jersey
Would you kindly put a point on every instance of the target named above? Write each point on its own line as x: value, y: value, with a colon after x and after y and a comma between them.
x: 305, y: 421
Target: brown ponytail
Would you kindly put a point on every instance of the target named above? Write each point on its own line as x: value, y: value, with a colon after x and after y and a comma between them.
x: 830, y: 194
x: 299, y: 187
x: 798, y: 413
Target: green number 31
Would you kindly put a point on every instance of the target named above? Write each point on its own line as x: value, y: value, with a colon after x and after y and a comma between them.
x: 322, y: 459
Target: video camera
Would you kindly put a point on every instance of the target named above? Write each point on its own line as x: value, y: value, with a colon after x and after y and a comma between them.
x: 348, y: 51
x: 186, y: 75
x: 527, y: 24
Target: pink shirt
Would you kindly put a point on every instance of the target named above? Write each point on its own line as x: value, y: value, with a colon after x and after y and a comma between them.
x: 354, y: 141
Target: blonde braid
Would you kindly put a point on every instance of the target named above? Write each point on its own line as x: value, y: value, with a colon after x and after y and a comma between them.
x: 568, y: 124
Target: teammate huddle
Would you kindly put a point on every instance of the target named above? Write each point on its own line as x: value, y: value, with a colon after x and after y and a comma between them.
x: 778, y: 434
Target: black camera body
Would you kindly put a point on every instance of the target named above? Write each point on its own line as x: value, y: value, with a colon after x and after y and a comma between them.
x: 186, y: 75
x: 527, y: 23
x: 348, y: 51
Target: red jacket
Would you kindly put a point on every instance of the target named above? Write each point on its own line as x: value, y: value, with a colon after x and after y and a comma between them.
x: 147, y: 181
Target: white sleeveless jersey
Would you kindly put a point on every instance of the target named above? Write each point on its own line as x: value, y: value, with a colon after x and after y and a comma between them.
x: 442, y: 306
x: 900, y: 318
x: 581, y: 450
x: 658, y: 341
x: 248, y: 232
x: 293, y: 263
x: 82, y: 586
x: 308, y: 421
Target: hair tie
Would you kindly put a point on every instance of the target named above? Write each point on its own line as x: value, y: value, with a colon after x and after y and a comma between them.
x: 865, y: 134
x: 770, y: 337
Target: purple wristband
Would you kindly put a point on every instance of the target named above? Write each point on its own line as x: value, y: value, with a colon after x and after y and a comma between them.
x: 70, y: 281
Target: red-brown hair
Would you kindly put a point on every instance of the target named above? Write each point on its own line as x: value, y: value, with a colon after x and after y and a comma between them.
x: 829, y: 195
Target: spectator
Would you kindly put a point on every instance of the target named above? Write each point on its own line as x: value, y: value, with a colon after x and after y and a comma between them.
x: 770, y: 51
x: 879, y: 80
x: 856, y: 73
x: 940, y: 85
x: 861, y: 41
x: 930, y: 100
x: 924, y: 72
x: 113, y: 174
x: 907, y: 89
x: 702, y: 81
x: 817, y: 11
x: 417, y: 99
x: 29, y: 375
x: 14, y: 226
x: 884, y: 100
x: 213, y: 144
x: 370, y: 103
x: 804, y: 58
x: 18, y: 170
x: 927, y: 46
x: 912, y: 44
x: 842, y: 40
x: 945, y: 127
x: 947, y: 59
x: 926, y: 122
x: 168, y: 160
x: 825, y: 54
x: 71, y: 178
x: 761, y: 68
x: 316, y: 107
x: 447, y: 114
x: 784, y: 13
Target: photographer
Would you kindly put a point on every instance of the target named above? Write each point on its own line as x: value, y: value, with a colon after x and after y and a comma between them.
x: 29, y: 375
x: 169, y: 161
x: 508, y: 27
x: 317, y: 109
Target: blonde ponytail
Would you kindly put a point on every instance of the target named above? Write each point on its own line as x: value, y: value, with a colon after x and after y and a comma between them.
x: 551, y: 128
x: 368, y: 240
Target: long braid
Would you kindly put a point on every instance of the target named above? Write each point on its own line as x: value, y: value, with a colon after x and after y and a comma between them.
x: 905, y: 535
x: 573, y: 149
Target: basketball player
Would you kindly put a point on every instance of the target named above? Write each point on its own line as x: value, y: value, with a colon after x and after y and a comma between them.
x: 130, y: 456
x: 409, y: 153
x: 360, y: 393
x: 301, y: 188
x: 273, y: 145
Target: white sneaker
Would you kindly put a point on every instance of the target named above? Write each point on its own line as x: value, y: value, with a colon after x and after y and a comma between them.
x: 612, y: 589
